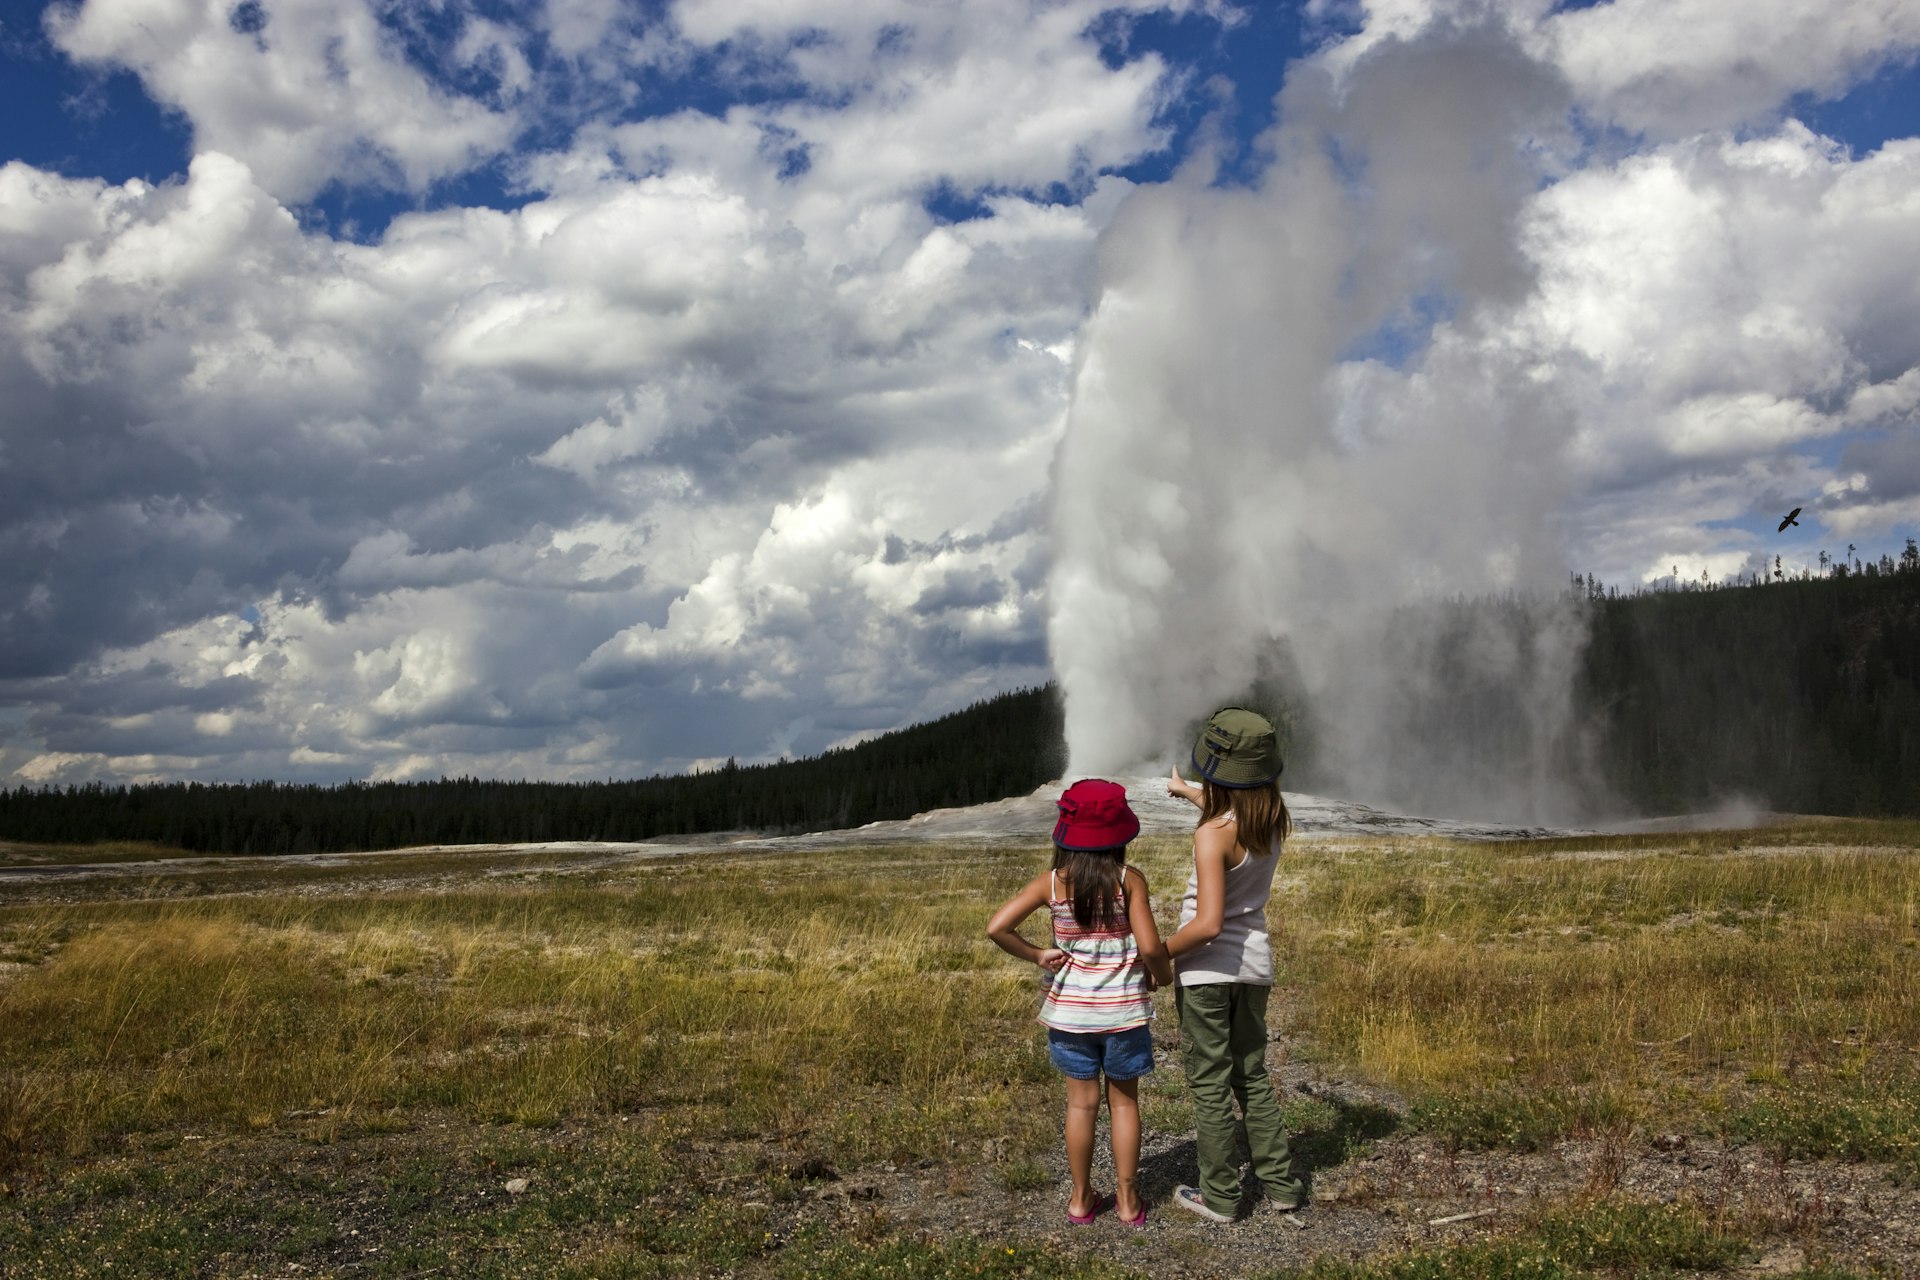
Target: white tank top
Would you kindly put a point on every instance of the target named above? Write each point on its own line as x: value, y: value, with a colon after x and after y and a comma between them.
x: 1241, y: 952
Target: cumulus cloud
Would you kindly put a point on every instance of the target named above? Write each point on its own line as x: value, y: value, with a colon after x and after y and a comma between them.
x: 695, y: 453
x: 305, y: 92
x: 1667, y: 68
x: 732, y: 431
x: 1717, y: 309
x: 1673, y: 67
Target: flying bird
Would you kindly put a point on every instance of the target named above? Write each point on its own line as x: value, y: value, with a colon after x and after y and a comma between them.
x: 1789, y: 521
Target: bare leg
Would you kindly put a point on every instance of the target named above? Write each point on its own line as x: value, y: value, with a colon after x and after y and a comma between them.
x: 1123, y: 1112
x: 1083, y: 1108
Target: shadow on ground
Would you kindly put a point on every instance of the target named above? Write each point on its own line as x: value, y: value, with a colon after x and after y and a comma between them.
x: 1349, y: 1126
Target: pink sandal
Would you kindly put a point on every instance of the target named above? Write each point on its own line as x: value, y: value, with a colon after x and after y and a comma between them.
x: 1101, y: 1203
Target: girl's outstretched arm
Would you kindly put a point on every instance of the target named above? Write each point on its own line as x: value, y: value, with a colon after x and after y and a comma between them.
x: 1212, y: 844
x: 1004, y: 928
x: 1146, y: 934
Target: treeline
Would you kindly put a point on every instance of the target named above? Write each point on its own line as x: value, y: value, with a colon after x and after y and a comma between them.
x: 1802, y: 694
x: 1798, y: 692
x: 995, y: 748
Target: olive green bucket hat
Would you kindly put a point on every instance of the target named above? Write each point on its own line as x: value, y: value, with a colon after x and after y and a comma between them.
x: 1238, y: 748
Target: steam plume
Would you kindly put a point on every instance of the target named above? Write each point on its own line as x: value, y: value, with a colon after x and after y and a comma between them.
x: 1233, y: 476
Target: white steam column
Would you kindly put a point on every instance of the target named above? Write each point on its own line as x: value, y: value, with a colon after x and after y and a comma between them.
x: 1234, y: 469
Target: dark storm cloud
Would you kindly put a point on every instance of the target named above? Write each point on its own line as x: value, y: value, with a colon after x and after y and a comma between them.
x: 963, y: 589
x: 1890, y: 462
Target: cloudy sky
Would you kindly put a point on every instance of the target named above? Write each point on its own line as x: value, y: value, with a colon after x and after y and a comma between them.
x: 578, y: 388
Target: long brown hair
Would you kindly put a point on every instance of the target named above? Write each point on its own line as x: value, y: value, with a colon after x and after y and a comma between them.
x: 1093, y: 876
x: 1260, y: 813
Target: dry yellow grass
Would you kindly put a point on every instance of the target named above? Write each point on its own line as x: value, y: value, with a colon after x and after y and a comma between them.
x: 852, y: 999
x: 1659, y: 975
x: 849, y: 1000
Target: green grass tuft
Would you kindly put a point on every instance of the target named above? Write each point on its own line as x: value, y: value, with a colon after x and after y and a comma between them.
x: 895, y: 1259
x: 1606, y: 1237
x: 1516, y: 1119
x: 1848, y: 1115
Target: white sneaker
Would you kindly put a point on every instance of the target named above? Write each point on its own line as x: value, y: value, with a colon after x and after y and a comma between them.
x: 1190, y: 1199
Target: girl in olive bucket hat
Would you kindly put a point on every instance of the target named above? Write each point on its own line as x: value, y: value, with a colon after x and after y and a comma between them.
x: 1223, y: 963
x: 1105, y: 959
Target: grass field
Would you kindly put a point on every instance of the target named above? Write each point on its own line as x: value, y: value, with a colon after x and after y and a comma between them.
x: 733, y: 1063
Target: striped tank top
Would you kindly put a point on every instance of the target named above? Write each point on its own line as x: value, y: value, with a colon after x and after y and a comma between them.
x: 1103, y: 985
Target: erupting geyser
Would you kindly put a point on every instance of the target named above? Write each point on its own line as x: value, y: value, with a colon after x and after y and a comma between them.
x: 1288, y: 421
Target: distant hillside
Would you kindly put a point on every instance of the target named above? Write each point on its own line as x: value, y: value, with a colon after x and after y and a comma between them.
x: 999, y: 747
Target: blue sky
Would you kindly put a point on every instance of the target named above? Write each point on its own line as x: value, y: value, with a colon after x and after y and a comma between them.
x: 578, y: 387
x: 98, y: 121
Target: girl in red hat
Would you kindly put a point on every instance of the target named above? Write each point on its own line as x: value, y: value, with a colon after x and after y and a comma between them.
x: 1105, y: 961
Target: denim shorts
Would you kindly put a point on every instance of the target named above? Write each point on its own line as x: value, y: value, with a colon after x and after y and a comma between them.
x: 1087, y: 1055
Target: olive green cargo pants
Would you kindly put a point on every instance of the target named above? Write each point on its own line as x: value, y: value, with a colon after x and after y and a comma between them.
x: 1223, y: 1035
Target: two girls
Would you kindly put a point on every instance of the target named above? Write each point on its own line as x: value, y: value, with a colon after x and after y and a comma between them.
x: 1108, y: 956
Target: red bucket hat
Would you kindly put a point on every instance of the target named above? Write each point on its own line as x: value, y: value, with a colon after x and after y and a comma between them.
x: 1094, y: 815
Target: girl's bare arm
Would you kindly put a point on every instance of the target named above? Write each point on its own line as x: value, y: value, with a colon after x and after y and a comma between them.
x: 1212, y: 844
x: 1146, y: 934
x: 1004, y: 928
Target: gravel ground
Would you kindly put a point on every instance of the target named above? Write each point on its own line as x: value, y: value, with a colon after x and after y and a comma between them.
x: 1385, y: 1197
x: 1389, y: 1196
x: 1383, y: 1200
